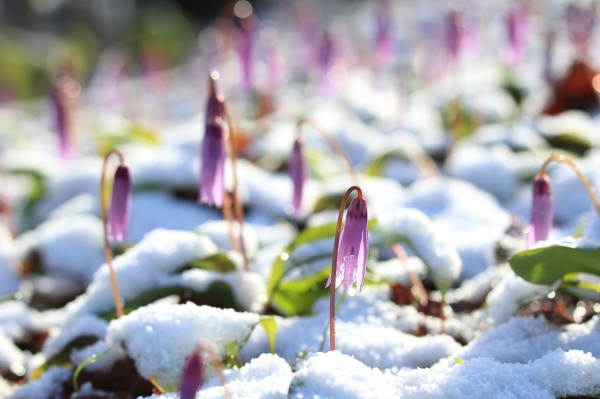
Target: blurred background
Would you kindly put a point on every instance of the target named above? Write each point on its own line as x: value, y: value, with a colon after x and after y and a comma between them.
x: 264, y: 43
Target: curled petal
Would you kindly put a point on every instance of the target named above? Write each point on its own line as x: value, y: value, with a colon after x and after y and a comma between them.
x: 120, y: 205
x: 298, y: 173
x: 542, y: 210
x: 192, y: 377
x: 212, y: 186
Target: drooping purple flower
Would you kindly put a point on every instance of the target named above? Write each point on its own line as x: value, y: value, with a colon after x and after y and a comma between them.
x: 517, y: 27
x: 192, y: 377
x: 581, y: 22
x: 542, y: 210
x: 212, y: 185
x: 384, y: 46
x: 459, y: 33
x: 353, y: 248
x: 61, y: 122
x: 245, y: 46
x: 214, y: 105
x: 120, y: 204
x: 298, y: 173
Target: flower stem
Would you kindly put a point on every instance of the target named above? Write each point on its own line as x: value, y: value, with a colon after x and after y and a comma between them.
x: 414, y: 278
x: 337, y: 306
x: 217, y: 365
x: 564, y: 159
x: 237, y: 206
x: 333, y: 143
x: 336, y: 244
x: 107, y: 249
x: 228, y: 215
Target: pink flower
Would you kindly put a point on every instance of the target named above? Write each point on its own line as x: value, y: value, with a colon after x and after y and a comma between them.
x: 298, y: 173
x: 61, y: 122
x: 120, y: 204
x: 353, y: 249
x: 541, y: 210
x: 192, y: 377
x: 581, y: 22
x: 384, y: 45
x: 212, y: 185
x: 517, y: 27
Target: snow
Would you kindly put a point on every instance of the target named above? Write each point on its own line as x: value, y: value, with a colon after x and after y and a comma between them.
x: 427, y: 241
x: 336, y: 375
x: 267, y: 376
x: 159, y: 337
x: 470, y: 219
x: 85, y: 325
x: 557, y: 374
x: 51, y: 381
x: 69, y: 247
x: 11, y: 357
x: 142, y: 268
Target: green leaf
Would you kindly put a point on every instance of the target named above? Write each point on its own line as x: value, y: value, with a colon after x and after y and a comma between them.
x: 549, y: 264
x: 217, y: 262
x: 570, y: 142
x: 308, y: 235
x: 270, y: 326
x: 296, y: 297
x: 81, y: 366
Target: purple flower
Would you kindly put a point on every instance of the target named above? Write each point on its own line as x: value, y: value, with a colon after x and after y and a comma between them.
x: 61, y: 122
x: 541, y: 210
x: 298, y: 173
x: 581, y: 22
x: 192, y: 377
x: 212, y: 185
x: 120, y: 204
x: 245, y: 45
x: 214, y: 105
x: 459, y: 34
x: 517, y: 26
x: 353, y: 247
x: 384, y: 46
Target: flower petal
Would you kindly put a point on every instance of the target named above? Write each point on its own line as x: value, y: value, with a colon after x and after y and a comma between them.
x: 192, y: 377
x: 542, y: 210
x: 212, y: 185
x: 298, y: 173
x: 120, y: 204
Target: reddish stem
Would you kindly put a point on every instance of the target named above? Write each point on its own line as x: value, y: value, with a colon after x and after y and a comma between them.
x: 107, y: 249
x: 217, y: 365
x: 237, y: 206
x: 414, y: 278
x: 333, y: 143
x: 336, y: 243
x: 588, y: 186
